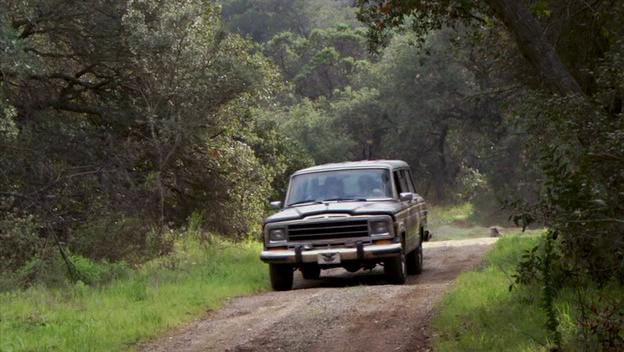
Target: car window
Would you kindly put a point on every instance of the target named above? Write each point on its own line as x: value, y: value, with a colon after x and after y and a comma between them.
x: 401, y: 181
x: 340, y: 184
x: 410, y: 181
x: 397, y: 182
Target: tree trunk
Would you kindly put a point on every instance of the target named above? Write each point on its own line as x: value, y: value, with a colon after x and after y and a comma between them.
x: 440, y: 182
x: 533, y: 44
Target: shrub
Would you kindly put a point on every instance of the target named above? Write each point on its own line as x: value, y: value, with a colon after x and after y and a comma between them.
x: 93, y: 273
x: 20, y: 239
x: 47, y: 268
x: 111, y: 237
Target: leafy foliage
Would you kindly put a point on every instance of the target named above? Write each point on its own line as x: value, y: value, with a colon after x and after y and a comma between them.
x: 570, y: 107
x: 419, y: 104
x: 264, y: 19
x: 119, y: 119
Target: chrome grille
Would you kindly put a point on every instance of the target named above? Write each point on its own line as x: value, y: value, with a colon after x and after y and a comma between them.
x: 328, y: 230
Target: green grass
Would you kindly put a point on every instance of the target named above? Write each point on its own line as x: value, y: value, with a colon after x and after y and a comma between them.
x: 455, y: 223
x: 481, y: 314
x: 450, y: 214
x: 163, y: 294
x: 451, y: 232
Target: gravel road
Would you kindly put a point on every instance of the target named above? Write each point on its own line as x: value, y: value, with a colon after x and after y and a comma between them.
x: 341, y: 312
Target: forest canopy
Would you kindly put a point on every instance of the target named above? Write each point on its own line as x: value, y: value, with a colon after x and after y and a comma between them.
x: 120, y: 120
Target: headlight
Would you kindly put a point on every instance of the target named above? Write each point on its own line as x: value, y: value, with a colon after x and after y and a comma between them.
x: 277, y: 235
x: 380, y: 228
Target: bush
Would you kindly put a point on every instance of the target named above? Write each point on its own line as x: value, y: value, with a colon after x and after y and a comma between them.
x: 94, y: 273
x: 47, y: 268
x: 111, y: 237
x: 20, y: 239
x: 597, y: 316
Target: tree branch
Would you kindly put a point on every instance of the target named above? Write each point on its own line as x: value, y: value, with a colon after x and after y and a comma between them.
x: 534, y: 46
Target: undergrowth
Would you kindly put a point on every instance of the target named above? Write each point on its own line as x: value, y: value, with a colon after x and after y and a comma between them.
x: 484, y: 313
x: 135, y: 304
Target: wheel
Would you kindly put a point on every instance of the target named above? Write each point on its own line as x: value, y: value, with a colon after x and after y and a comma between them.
x: 395, y: 270
x: 311, y: 272
x: 415, y: 261
x: 281, y: 277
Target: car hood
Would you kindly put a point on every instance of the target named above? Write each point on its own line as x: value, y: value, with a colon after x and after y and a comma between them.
x: 351, y: 208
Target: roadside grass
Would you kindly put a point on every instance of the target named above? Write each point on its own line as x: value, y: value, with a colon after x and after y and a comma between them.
x: 481, y: 314
x: 455, y: 222
x: 451, y: 232
x: 163, y: 294
x: 449, y: 214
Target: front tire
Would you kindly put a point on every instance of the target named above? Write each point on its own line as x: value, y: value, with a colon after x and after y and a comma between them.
x: 415, y: 261
x: 395, y: 269
x: 281, y: 277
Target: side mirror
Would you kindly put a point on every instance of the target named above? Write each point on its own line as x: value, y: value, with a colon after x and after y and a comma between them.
x: 276, y: 204
x: 406, y: 197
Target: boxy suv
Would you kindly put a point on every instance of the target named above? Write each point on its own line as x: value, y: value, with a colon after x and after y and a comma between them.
x: 353, y: 215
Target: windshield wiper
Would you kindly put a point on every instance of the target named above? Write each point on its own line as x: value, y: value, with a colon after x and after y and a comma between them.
x: 314, y: 201
x: 346, y: 200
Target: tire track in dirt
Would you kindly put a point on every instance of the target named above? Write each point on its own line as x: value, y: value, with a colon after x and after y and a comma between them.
x: 341, y: 312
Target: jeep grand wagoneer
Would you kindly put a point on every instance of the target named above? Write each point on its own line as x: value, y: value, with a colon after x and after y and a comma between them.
x: 353, y: 215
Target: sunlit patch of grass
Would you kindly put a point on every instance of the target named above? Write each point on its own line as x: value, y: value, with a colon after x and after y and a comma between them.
x: 450, y: 232
x: 456, y: 222
x: 163, y: 294
x: 446, y: 215
x: 453, y: 223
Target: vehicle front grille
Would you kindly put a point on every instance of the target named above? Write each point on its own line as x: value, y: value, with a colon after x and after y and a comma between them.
x: 328, y: 230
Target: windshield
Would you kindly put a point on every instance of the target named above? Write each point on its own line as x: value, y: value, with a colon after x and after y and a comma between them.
x: 340, y: 185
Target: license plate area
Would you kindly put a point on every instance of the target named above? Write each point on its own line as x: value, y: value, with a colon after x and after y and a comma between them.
x: 328, y: 258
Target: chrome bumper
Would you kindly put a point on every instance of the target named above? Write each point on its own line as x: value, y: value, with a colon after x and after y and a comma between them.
x: 289, y: 256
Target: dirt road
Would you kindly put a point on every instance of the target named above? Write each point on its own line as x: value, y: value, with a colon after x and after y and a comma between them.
x: 340, y: 312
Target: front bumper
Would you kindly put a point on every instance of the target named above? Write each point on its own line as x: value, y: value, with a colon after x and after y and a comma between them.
x: 292, y: 256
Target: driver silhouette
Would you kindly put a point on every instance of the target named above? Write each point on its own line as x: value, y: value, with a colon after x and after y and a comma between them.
x: 334, y: 188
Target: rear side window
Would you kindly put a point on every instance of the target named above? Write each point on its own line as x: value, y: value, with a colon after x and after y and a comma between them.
x: 410, y: 181
x: 397, y: 182
x: 401, y: 182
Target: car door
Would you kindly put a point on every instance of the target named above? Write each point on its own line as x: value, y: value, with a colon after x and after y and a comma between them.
x: 418, y: 207
x: 407, y: 214
x: 413, y: 239
x: 403, y: 217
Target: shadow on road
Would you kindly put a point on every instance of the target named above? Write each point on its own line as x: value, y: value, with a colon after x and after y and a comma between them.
x: 442, y: 262
x: 337, y: 278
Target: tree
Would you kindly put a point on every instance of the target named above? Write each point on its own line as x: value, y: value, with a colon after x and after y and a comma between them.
x: 262, y: 19
x: 327, y: 60
x: 121, y: 119
x: 315, y: 129
x: 519, y: 21
x: 571, y: 109
x: 426, y: 92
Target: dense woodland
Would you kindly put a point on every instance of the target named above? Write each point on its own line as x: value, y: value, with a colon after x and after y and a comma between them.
x: 124, y: 121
